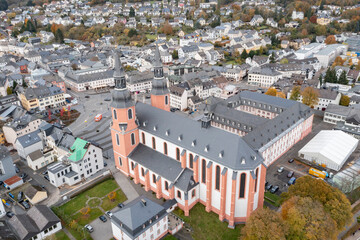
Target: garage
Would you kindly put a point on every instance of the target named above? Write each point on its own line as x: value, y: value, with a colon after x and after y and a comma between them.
x: 329, y: 148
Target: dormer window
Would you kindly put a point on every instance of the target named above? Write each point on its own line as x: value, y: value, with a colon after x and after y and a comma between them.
x: 155, y: 128
x: 206, y: 148
x: 180, y: 137
x: 193, y: 143
x: 221, y: 154
x: 167, y: 132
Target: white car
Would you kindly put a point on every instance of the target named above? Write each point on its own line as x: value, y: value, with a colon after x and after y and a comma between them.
x: 89, y: 228
x: 281, y: 169
x: 109, y: 214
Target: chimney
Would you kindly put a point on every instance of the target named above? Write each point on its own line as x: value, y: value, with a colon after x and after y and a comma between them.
x: 143, y: 201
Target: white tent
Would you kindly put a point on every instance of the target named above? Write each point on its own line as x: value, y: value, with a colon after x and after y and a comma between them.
x: 330, y: 148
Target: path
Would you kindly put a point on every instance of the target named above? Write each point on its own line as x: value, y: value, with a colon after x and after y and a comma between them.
x: 125, y: 186
x: 69, y: 234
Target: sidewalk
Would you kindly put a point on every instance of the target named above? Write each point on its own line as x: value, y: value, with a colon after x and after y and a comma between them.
x: 125, y: 185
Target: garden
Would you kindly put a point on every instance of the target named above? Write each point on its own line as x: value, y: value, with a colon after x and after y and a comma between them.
x: 89, y: 205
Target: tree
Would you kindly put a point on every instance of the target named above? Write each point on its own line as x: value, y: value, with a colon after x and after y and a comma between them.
x: 271, y: 92
x: 344, y: 100
x: 338, y: 61
x: 330, y: 75
x: 343, y: 78
x: 313, y: 19
x: 30, y: 3
x: 132, y: 12
x: 251, y: 53
x: 264, y: 224
x: 310, y: 96
x: 244, y: 54
x: 24, y: 85
x: 272, y: 58
x: 307, y: 219
x: 3, y: 5
x: 295, y: 93
x: 333, y: 200
x: 280, y: 95
x: 132, y: 32
x: 14, y: 85
x: 167, y: 29
x: 112, y: 196
x: 330, y: 39
x: 85, y: 211
x: 321, y: 80
x: 8, y: 91
x: 175, y: 54
x: 59, y: 36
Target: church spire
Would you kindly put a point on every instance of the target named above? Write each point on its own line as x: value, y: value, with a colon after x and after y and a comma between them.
x: 119, y: 74
x: 121, y: 97
x: 159, y: 85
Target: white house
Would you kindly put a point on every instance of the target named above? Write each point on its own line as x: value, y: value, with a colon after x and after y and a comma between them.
x: 263, y: 77
x: 40, y: 158
x: 83, y: 160
x: 297, y: 15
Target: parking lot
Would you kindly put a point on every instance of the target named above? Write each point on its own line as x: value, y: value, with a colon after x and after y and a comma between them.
x: 300, y: 169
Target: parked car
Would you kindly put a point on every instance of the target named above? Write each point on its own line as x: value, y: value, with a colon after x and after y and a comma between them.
x: 1, y: 183
x: 291, y: 160
x: 105, y: 164
x: 103, y: 218
x: 274, y: 189
x: 290, y: 174
x: 47, y: 177
x: 121, y: 205
x: 45, y: 172
x: 25, y: 204
x: 109, y: 214
x: 107, y: 99
x: 292, y: 181
x: 17, y: 170
x: 23, y: 175
x: 87, y: 96
x: 20, y: 196
x: 280, y: 170
x: 89, y: 228
x: 11, y: 195
x: 268, y: 187
x: 10, y: 214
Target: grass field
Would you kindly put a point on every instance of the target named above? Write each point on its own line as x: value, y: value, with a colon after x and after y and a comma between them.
x: 151, y: 37
x: 60, y: 235
x: 272, y: 199
x: 207, y: 225
x: 94, y: 198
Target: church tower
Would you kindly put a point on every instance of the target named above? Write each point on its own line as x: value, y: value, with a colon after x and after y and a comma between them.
x: 160, y: 96
x: 124, y: 129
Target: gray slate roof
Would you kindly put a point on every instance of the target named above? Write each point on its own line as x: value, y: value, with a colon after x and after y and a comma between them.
x: 234, y: 148
x: 29, y: 139
x: 135, y: 217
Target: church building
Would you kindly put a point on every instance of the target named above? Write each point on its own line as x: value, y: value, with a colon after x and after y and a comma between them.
x: 219, y: 161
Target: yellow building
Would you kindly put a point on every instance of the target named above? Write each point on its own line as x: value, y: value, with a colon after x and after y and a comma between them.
x: 28, y: 103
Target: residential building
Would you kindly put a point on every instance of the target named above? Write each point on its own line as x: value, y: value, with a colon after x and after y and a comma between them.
x: 37, y: 223
x: 35, y: 194
x: 20, y: 127
x: 297, y: 15
x: 40, y: 158
x: 178, y: 97
x: 263, y: 77
x: 42, y: 97
x: 140, y: 219
x: 7, y: 169
x: 326, y: 97
x: 82, y: 161
x: 140, y: 81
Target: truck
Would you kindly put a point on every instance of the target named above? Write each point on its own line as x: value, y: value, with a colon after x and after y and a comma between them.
x: 98, y: 117
x: 317, y: 173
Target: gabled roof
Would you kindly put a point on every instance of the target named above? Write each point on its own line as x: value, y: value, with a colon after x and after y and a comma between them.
x: 78, y: 149
x: 207, y: 142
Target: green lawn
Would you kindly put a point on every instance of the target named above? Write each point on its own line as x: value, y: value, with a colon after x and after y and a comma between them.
x: 169, y: 237
x: 151, y: 37
x: 274, y: 199
x: 69, y: 211
x: 207, y: 225
x: 107, y: 204
x: 61, y: 235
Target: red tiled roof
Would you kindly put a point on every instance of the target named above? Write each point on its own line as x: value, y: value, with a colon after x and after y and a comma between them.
x: 12, y: 180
